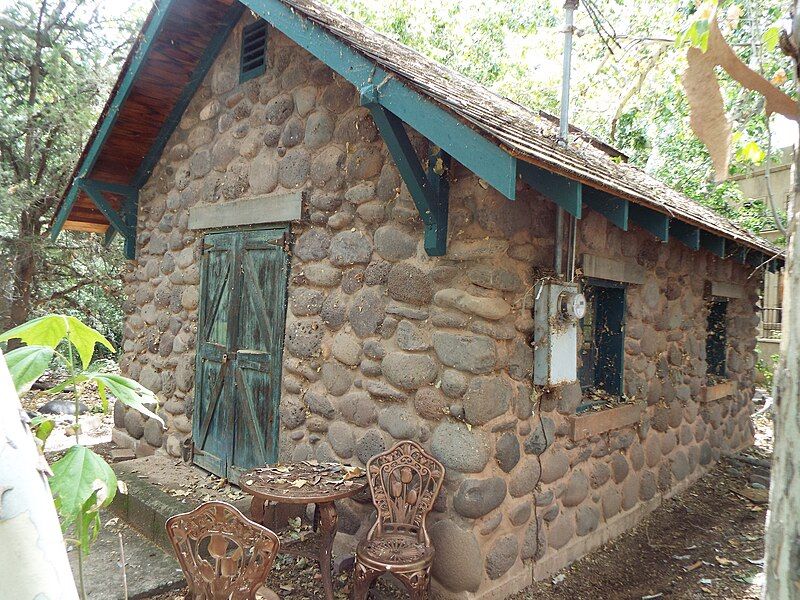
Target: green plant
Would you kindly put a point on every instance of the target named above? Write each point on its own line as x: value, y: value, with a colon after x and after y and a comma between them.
x: 766, y: 368
x: 82, y: 482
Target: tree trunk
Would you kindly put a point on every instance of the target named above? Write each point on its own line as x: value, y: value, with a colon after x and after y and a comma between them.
x: 33, y: 558
x: 24, y: 265
x: 782, y: 542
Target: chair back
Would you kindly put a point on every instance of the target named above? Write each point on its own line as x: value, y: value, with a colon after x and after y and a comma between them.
x: 405, y: 482
x: 223, y: 554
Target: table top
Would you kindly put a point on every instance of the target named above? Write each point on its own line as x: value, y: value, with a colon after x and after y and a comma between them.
x: 304, y: 482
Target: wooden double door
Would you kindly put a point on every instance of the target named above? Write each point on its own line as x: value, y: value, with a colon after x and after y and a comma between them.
x: 239, y: 338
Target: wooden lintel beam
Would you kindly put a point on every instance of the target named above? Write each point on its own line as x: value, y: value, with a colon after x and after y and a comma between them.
x: 431, y: 206
x: 686, y: 234
x: 650, y: 220
x: 566, y: 193
x: 612, y: 208
x: 712, y: 243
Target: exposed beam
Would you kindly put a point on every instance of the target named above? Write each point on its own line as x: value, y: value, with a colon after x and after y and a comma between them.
x: 431, y: 206
x: 116, y: 219
x: 650, y: 220
x: 112, y: 188
x: 755, y: 258
x: 612, y: 208
x: 712, y: 243
x: 442, y: 128
x: 126, y: 85
x: 152, y: 31
x: 109, y: 236
x: 685, y: 233
x: 131, y: 214
x: 566, y: 193
x: 196, y: 78
x: 66, y: 209
x: 438, y: 167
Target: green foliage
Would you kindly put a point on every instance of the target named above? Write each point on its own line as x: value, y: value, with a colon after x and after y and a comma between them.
x: 42, y: 427
x: 58, y: 61
x: 51, y: 330
x: 27, y: 364
x: 770, y: 38
x: 82, y: 484
x: 626, y: 88
x: 767, y: 368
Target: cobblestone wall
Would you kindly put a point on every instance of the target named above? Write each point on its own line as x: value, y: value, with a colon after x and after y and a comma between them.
x: 384, y: 343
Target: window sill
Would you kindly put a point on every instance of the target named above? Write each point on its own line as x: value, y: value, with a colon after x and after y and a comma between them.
x: 596, y: 423
x: 710, y: 393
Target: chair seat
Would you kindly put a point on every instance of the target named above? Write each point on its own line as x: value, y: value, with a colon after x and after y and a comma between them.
x: 394, y: 552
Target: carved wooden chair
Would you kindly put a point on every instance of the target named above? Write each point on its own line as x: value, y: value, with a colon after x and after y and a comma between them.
x: 405, y: 482
x: 223, y: 554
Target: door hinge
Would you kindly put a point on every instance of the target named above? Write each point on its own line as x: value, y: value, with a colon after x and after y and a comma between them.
x: 285, y: 241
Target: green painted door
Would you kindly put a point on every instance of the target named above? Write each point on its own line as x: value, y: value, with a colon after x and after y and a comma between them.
x: 240, y: 331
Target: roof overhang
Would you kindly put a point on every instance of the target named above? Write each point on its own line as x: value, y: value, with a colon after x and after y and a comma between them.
x: 178, y: 45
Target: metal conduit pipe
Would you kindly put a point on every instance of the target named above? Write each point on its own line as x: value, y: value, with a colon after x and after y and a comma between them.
x: 569, y: 29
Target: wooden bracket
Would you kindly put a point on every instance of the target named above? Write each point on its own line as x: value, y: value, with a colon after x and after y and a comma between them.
x: 430, y: 194
x: 566, y: 193
x: 650, y: 220
x: 712, y: 243
x: 685, y: 233
x: 122, y: 221
x: 612, y: 208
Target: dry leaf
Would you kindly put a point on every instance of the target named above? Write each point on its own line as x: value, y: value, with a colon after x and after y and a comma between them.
x: 694, y: 565
x: 298, y: 483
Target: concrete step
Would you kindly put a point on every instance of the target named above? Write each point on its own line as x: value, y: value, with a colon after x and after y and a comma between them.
x: 148, y: 569
x: 159, y: 487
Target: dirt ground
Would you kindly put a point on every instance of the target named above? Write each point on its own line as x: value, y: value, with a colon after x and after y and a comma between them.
x: 707, y: 542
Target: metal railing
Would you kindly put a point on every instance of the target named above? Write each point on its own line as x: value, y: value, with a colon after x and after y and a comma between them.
x: 771, y: 319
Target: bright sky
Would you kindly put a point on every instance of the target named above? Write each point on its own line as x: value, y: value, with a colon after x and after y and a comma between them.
x: 784, y: 132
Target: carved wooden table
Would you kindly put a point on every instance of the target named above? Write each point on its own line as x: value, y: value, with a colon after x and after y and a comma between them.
x: 307, y: 482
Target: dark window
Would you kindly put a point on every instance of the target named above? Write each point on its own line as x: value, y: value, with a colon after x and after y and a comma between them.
x: 254, y: 50
x: 717, y: 337
x: 601, y: 351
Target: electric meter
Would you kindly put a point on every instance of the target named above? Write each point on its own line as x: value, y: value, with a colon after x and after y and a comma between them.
x: 572, y: 305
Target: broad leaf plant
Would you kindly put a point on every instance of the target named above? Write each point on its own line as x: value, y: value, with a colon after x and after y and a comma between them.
x: 82, y: 482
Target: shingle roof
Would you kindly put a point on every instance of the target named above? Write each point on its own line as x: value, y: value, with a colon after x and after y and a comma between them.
x: 529, y: 135
x: 522, y: 131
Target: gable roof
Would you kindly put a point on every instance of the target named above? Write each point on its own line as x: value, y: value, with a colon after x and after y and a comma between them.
x: 523, y: 134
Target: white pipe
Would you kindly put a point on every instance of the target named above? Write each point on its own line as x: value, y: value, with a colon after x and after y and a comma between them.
x: 569, y: 29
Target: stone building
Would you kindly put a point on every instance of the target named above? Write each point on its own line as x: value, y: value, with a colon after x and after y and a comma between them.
x: 336, y: 243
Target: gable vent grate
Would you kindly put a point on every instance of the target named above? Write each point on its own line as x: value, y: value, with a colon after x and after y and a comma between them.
x: 254, y: 51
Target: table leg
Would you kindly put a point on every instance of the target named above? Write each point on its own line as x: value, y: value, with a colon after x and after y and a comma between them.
x: 257, y: 509
x: 327, y: 529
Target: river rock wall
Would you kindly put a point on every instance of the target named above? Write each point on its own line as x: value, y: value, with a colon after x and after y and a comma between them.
x: 384, y: 343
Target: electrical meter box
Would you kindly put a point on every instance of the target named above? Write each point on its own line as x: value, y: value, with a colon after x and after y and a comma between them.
x: 557, y: 309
